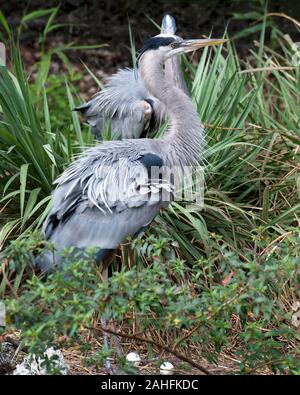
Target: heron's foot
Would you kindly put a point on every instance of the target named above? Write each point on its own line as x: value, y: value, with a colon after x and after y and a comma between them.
x: 116, y: 345
x: 114, y: 342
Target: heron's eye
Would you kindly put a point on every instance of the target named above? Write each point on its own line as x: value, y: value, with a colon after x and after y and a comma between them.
x: 174, y: 45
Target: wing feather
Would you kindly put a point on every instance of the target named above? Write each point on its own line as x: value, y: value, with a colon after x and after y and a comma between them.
x: 101, y: 202
x: 126, y: 102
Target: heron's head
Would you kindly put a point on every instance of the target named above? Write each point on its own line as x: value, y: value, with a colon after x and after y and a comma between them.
x: 165, y: 46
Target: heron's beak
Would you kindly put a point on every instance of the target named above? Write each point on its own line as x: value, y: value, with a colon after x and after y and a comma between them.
x: 192, y: 45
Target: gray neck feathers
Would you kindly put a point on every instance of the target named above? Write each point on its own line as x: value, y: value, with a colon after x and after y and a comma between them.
x: 173, y: 73
x: 185, y: 135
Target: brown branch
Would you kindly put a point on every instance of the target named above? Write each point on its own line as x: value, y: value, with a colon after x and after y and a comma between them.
x: 16, y: 344
x: 154, y: 343
x: 282, y: 15
x: 279, y: 238
x: 209, y: 317
x: 264, y: 364
x: 248, y: 128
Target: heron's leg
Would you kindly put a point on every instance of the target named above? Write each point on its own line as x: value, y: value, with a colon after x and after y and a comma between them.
x: 108, y: 364
x: 106, y: 262
x: 118, y: 344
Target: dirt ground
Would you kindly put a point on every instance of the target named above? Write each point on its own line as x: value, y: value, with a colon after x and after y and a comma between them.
x: 76, y: 360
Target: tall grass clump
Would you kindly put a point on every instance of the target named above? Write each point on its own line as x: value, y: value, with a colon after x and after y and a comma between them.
x: 37, y: 140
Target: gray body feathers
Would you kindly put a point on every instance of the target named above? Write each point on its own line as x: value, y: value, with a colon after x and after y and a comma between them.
x: 105, y: 196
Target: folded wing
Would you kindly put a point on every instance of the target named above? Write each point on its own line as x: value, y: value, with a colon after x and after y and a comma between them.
x: 124, y: 106
x: 100, y: 202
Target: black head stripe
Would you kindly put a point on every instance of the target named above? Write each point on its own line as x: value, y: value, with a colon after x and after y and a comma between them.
x: 155, y: 43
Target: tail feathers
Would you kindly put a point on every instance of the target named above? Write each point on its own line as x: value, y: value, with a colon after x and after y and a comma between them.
x: 93, y: 118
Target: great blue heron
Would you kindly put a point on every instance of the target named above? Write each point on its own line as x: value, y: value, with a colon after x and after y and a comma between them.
x: 110, y: 193
x: 127, y: 103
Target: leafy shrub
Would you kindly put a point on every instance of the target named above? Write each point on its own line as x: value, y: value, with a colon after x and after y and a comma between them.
x: 228, y: 301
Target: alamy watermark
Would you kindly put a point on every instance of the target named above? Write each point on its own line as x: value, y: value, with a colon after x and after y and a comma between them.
x: 296, y: 56
x: 2, y: 54
x: 2, y: 314
x: 133, y: 185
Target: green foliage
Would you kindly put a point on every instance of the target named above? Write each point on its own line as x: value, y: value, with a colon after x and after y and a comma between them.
x: 39, y: 133
x: 252, y: 306
x: 252, y: 154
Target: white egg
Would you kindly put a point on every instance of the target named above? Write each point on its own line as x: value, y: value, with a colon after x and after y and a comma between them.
x: 166, y: 367
x: 134, y: 358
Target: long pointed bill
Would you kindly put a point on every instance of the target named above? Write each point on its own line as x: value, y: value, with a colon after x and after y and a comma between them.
x: 192, y: 45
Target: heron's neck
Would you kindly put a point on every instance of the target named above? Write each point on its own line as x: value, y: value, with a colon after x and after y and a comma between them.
x: 173, y: 73
x: 185, y: 135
